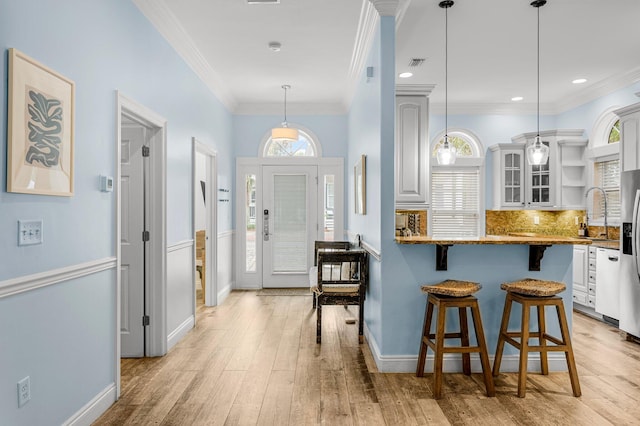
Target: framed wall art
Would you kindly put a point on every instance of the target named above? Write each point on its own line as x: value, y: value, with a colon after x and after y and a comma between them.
x: 360, y: 185
x: 40, y: 128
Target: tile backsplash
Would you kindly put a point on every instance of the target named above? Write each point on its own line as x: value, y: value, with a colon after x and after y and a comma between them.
x: 560, y: 222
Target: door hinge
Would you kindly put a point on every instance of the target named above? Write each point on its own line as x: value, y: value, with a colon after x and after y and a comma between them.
x: 145, y: 320
x: 145, y: 151
x: 145, y: 236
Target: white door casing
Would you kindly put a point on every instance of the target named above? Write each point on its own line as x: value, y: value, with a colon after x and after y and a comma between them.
x: 132, y: 266
x: 289, y: 224
x: 129, y: 111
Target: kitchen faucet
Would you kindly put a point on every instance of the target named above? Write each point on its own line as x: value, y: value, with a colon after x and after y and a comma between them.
x: 604, y: 195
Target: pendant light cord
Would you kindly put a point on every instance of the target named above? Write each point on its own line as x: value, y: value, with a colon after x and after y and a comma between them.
x: 446, y: 4
x: 285, y: 87
x: 538, y: 53
x: 446, y: 74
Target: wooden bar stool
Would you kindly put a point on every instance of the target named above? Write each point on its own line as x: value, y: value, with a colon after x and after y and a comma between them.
x: 535, y: 293
x: 453, y: 294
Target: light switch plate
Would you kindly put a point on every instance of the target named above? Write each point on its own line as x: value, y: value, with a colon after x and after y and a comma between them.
x: 29, y: 232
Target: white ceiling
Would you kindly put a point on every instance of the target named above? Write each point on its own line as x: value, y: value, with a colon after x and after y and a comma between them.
x: 492, y: 50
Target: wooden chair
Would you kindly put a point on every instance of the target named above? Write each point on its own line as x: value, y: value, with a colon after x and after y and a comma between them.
x: 313, y: 272
x: 342, y: 280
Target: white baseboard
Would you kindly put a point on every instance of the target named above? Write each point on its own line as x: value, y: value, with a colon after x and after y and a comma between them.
x: 182, y: 330
x: 224, y: 293
x: 453, y: 362
x: 94, y: 408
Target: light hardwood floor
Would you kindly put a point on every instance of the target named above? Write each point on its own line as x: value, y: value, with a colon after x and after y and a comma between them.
x: 254, y: 360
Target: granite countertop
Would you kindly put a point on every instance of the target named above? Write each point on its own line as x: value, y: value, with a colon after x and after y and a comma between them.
x: 518, y: 238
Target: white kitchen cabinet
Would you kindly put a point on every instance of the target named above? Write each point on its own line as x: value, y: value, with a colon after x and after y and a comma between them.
x: 608, y: 282
x: 581, y: 275
x: 629, y: 136
x: 508, y: 176
x: 518, y: 185
x: 560, y: 183
x: 592, y: 263
x: 412, y: 147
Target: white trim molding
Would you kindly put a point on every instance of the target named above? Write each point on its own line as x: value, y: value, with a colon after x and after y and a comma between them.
x: 386, y: 7
x: 31, y: 282
x: 182, y: 330
x: 453, y: 362
x: 159, y: 14
x: 179, y: 246
x: 94, y: 408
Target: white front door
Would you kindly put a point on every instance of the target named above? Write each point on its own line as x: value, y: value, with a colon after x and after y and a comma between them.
x: 131, y: 240
x: 289, y: 224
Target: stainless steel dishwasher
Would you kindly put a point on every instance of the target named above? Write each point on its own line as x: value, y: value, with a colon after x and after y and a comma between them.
x: 608, y: 284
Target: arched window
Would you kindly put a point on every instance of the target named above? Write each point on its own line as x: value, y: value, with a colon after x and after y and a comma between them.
x: 457, y: 208
x: 305, y: 146
x: 465, y: 146
x: 605, y: 145
x: 614, y: 133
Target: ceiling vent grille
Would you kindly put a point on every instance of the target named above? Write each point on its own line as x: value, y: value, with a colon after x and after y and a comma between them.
x: 416, y: 62
x: 263, y: 1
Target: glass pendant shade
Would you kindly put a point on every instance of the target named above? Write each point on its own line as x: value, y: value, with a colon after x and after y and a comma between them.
x: 537, y: 152
x: 446, y: 153
x: 284, y: 133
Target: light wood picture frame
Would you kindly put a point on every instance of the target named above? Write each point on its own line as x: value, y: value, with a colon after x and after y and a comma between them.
x: 360, y: 185
x: 40, y: 131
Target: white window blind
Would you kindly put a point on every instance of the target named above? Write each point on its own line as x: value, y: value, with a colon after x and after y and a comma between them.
x: 607, y: 176
x: 455, y: 203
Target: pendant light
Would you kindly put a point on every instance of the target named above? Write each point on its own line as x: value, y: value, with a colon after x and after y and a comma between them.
x: 537, y: 152
x: 284, y: 133
x: 446, y: 153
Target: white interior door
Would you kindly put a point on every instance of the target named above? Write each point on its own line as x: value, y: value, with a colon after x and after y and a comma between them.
x: 289, y: 224
x: 131, y: 241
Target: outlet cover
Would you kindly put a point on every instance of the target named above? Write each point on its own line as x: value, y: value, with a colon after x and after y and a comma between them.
x: 29, y: 232
x: 24, y: 391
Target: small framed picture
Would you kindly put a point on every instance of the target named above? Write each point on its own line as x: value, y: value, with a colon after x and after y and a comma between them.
x: 40, y: 129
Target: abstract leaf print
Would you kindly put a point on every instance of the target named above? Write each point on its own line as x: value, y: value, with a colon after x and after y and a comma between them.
x: 45, y: 130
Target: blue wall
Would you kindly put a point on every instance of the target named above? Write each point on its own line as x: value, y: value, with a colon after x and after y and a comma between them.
x: 365, y: 135
x: 64, y: 335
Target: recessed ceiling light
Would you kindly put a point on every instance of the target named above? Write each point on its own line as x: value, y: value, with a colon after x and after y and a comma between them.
x: 517, y: 98
x: 579, y: 81
x: 275, y: 46
x: 405, y: 74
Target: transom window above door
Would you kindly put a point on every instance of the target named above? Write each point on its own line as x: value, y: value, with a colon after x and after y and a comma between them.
x: 303, y: 147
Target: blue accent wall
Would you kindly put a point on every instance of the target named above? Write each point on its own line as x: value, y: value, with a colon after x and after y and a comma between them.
x: 63, y: 336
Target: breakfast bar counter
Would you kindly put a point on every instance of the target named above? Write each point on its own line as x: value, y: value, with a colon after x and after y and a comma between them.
x: 537, y: 244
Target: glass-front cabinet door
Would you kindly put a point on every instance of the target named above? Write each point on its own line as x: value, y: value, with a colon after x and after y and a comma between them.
x: 512, y: 175
x: 539, y: 188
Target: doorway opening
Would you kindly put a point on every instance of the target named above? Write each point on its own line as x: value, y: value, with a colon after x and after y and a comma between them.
x: 205, y: 213
x: 140, y: 232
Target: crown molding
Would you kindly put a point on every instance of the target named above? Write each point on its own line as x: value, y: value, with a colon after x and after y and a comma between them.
x: 293, y: 109
x: 414, y: 89
x: 599, y: 89
x: 361, y: 46
x: 386, y: 7
x: 159, y: 14
x: 504, y: 108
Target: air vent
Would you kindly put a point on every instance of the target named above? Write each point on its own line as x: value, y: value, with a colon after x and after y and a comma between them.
x: 416, y: 62
x: 263, y: 1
